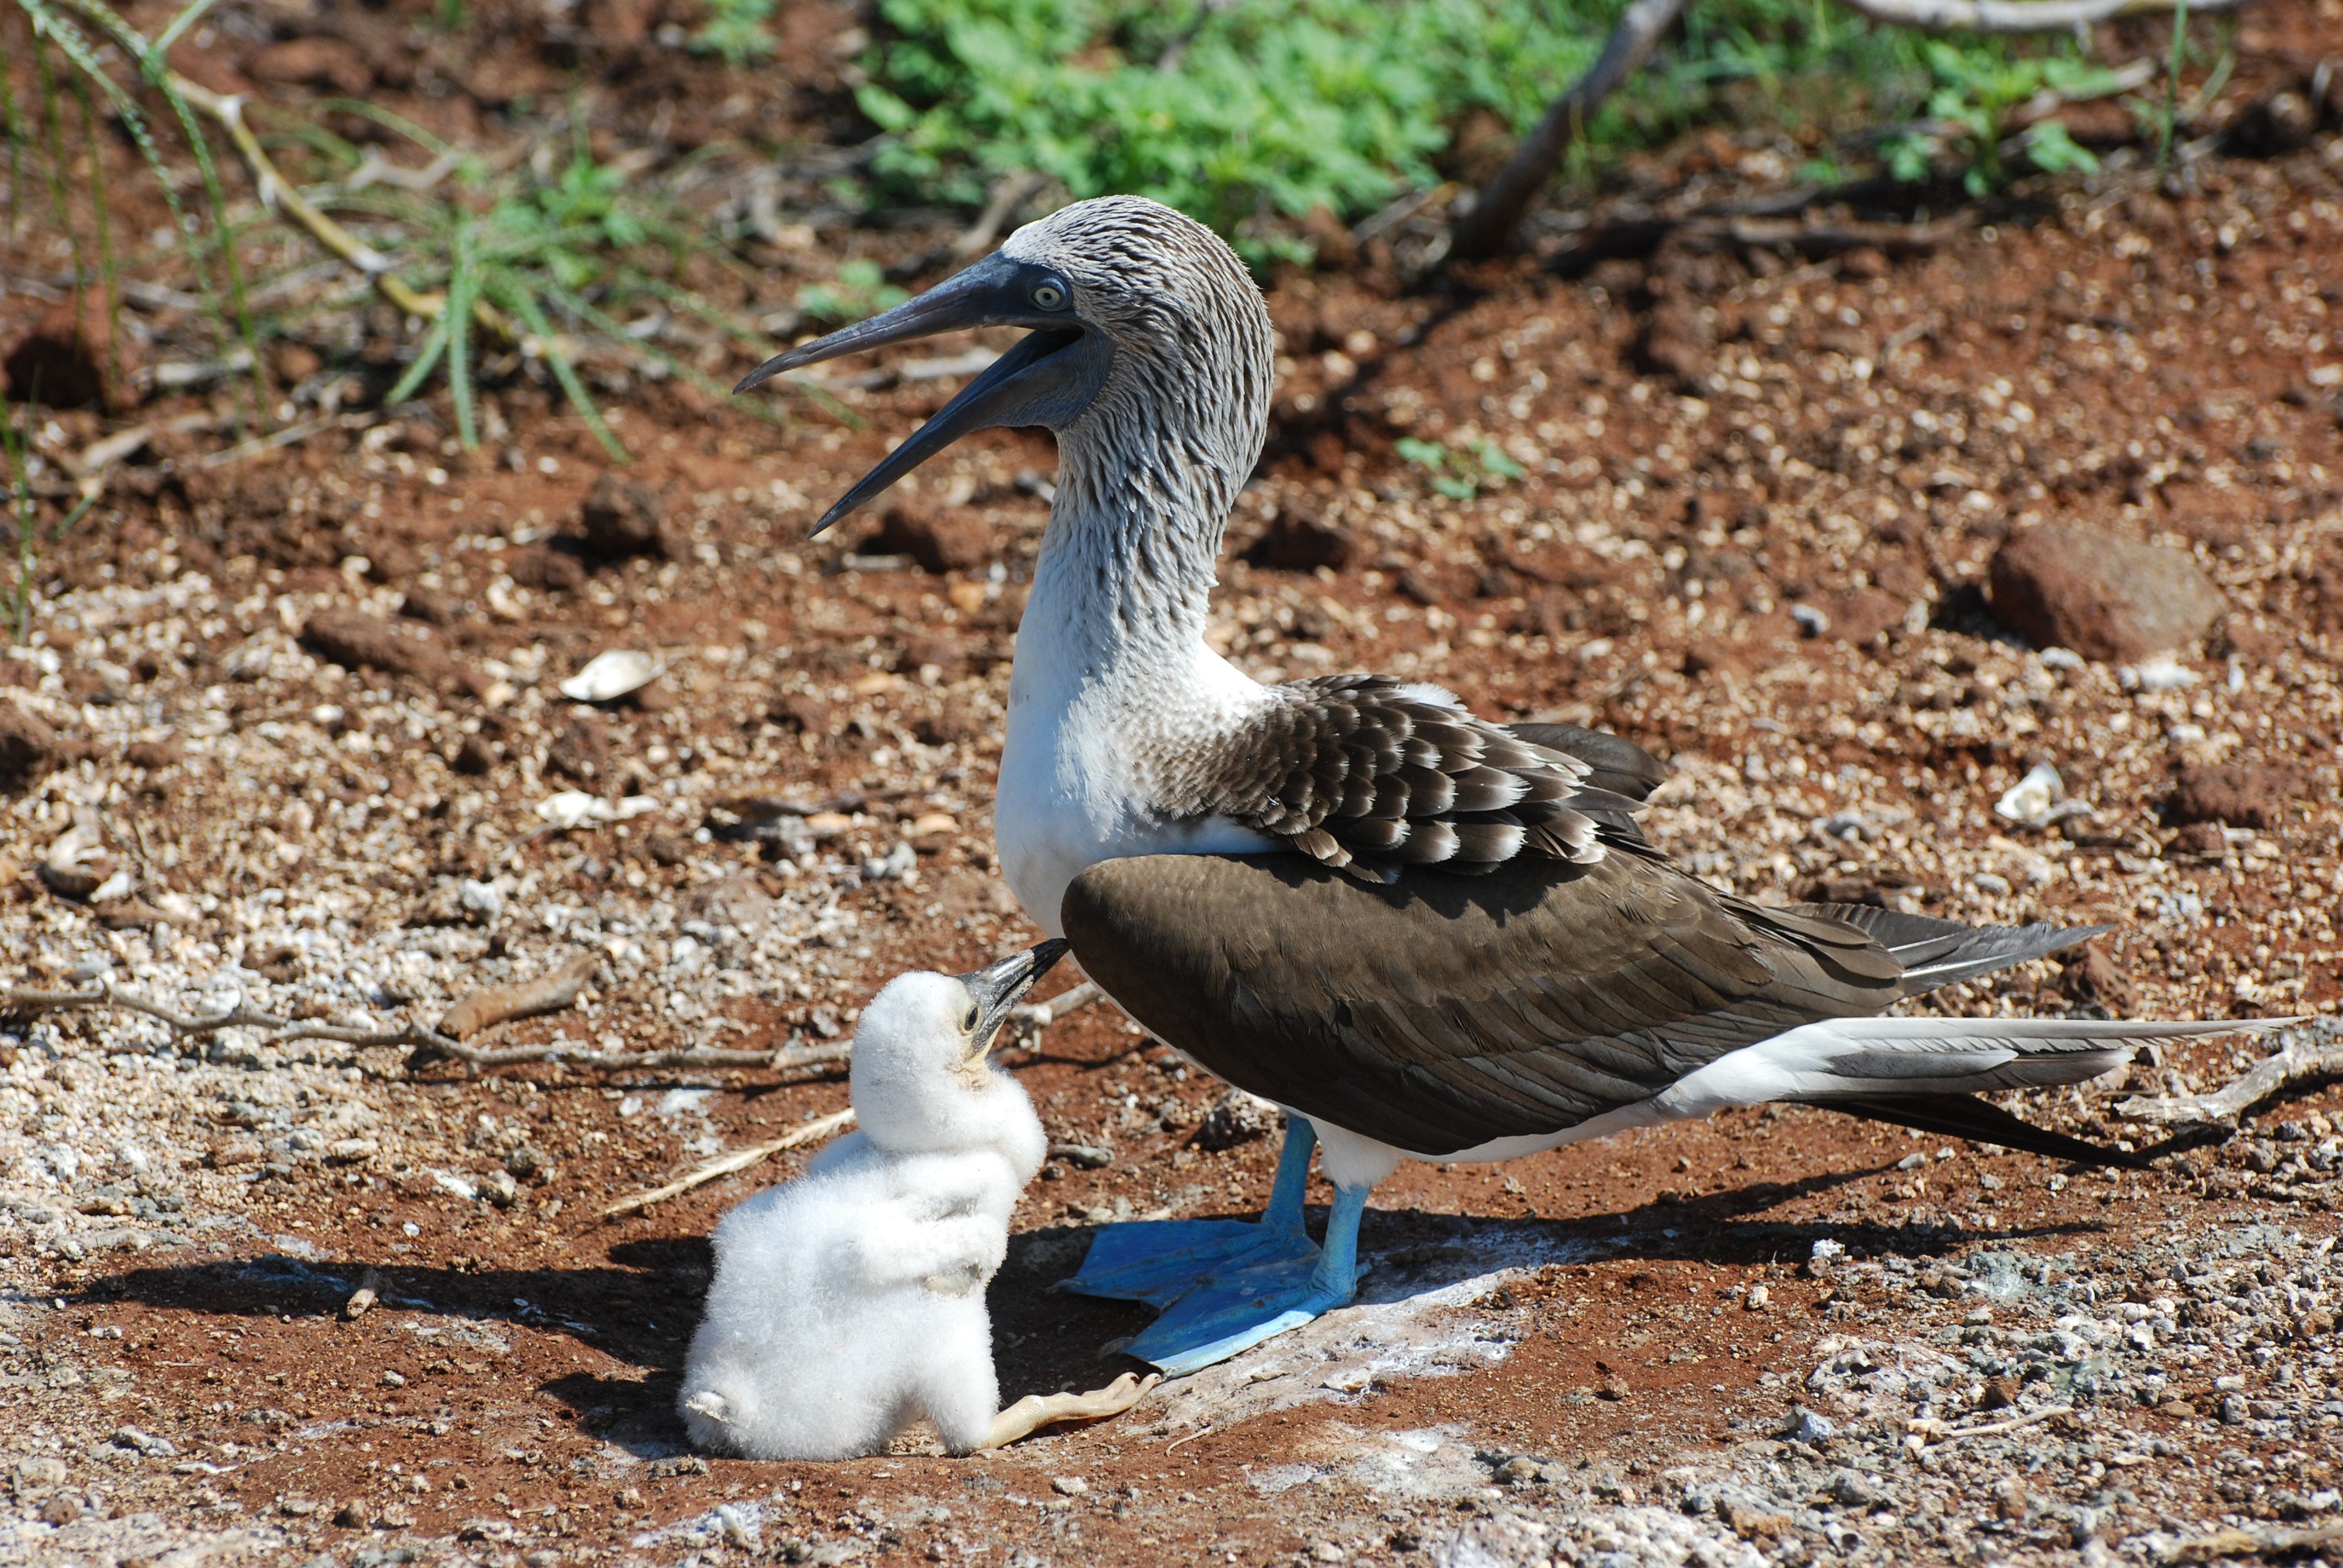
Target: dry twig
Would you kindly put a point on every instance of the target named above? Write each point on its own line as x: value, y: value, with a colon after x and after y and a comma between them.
x: 739, y: 1159
x: 281, y: 194
x: 2018, y: 15
x: 1498, y: 210
x: 1041, y: 1015
x: 194, y: 1026
x: 1930, y: 1434
x: 2270, y: 1542
x: 2309, y: 1055
x: 1488, y: 225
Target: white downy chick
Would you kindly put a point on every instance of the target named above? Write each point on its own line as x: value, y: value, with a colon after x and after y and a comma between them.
x: 851, y: 1302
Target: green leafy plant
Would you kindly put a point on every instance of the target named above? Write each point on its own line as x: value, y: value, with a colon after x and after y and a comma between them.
x: 1252, y: 115
x: 508, y: 253
x: 1977, y: 89
x: 858, y: 289
x: 1460, y: 473
x: 738, y: 31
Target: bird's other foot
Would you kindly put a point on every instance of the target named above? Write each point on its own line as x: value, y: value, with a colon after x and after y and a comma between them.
x: 1225, y: 1285
x: 1035, y: 1411
x: 1158, y: 1262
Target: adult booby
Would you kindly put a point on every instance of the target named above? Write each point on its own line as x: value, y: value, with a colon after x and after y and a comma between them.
x: 1423, y: 934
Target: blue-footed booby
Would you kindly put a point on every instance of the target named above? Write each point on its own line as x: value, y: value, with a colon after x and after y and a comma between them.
x: 1424, y: 934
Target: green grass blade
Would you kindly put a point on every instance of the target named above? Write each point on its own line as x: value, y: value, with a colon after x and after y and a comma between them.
x: 392, y: 121
x: 59, y: 208
x: 463, y: 287
x: 102, y: 215
x: 177, y: 28
x: 48, y: 24
x: 155, y: 70
x: 20, y: 493
x: 13, y: 121
x: 516, y: 298
x: 66, y: 524
x: 602, y: 322
x: 435, y: 344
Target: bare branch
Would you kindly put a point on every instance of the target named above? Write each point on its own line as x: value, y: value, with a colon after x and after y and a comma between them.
x: 1029, y: 1019
x: 2268, y: 1541
x: 739, y: 1159
x: 279, y: 193
x: 781, y: 1061
x: 1489, y: 225
x: 2018, y: 15
x: 1498, y: 210
x: 281, y: 1030
x: 1927, y: 1433
x: 191, y: 1026
x: 1042, y: 1014
x: 2309, y: 1055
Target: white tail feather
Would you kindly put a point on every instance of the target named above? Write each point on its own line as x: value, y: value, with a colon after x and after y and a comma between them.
x: 1859, y: 1056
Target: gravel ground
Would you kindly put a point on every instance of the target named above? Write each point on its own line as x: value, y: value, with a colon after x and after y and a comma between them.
x: 292, y: 738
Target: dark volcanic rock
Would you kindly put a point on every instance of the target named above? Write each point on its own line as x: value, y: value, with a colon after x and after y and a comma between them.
x: 1297, y: 542
x: 622, y: 518
x: 68, y: 360
x: 939, y: 539
x: 1674, y: 344
x: 357, y: 640
x: 28, y: 749
x: 2240, y: 794
x: 2066, y: 586
x: 313, y: 62
x: 1237, y: 1118
x: 2090, y: 976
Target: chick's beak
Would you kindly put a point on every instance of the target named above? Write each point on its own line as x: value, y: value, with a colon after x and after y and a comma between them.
x: 998, y: 987
x: 1050, y: 376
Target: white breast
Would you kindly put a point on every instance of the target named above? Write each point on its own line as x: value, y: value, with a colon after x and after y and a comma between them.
x: 1082, y: 719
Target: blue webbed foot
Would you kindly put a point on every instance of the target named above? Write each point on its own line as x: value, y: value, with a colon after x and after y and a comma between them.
x: 1225, y: 1285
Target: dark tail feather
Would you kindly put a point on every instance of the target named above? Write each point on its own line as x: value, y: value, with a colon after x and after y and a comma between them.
x: 1619, y: 766
x: 1940, y: 952
x: 1982, y: 1121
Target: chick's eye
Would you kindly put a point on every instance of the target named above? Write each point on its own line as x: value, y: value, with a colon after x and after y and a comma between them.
x: 969, y: 1023
x: 1050, y: 296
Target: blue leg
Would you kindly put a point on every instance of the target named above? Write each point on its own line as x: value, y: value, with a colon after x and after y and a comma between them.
x: 1225, y: 1285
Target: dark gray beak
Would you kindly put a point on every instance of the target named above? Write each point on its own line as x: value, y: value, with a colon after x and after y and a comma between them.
x: 998, y: 987
x: 1048, y: 378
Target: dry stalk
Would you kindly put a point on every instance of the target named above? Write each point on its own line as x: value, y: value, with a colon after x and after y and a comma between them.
x: 739, y: 1159
x: 1488, y: 225
x: 548, y: 993
x: 2302, y: 1061
x: 281, y: 194
x: 195, y: 1025
x: 2271, y: 1541
x: 2018, y: 15
x: 1930, y: 1434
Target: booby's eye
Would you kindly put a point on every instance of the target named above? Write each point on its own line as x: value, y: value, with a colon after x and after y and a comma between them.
x: 1050, y: 295
x: 967, y: 1024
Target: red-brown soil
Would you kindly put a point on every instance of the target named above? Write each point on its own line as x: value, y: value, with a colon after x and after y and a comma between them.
x: 1851, y: 435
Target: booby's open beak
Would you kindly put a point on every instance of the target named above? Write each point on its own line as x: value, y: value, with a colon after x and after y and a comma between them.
x: 998, y: 987
x: 1048, y: 378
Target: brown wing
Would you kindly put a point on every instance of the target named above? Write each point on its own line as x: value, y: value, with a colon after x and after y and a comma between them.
x: 1440, y: 1012
x: 1359, y: 770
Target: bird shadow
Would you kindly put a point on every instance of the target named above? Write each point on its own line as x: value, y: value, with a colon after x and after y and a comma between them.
x: 1045, y: 1341
x: 640, y: 1306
